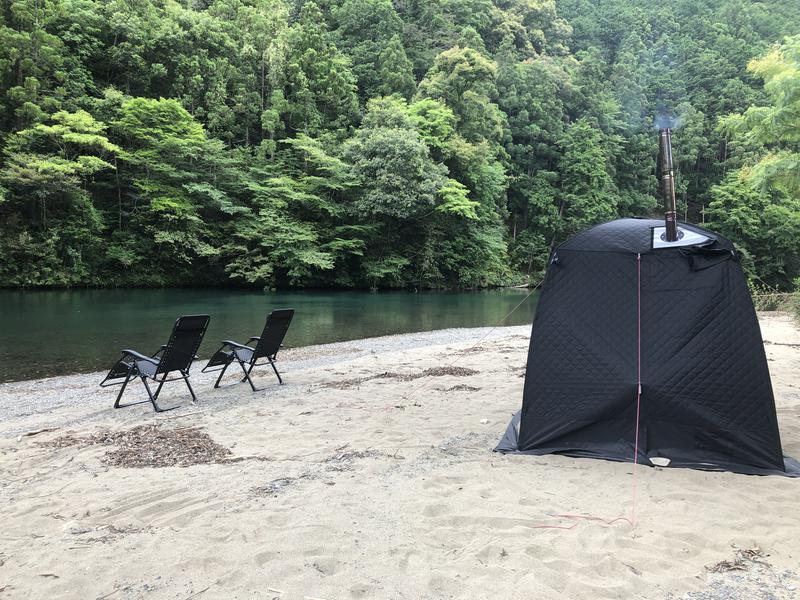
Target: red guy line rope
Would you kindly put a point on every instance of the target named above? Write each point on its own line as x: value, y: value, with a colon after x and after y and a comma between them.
x: 638, y: 380
x: 461, y: 354
x: 632, y: 520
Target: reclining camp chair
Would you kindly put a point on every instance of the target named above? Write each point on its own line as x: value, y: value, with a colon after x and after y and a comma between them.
x: 176, y: 357
x: 267, y: 347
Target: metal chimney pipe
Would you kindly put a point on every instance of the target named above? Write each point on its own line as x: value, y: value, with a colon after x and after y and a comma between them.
x: 668, y: 185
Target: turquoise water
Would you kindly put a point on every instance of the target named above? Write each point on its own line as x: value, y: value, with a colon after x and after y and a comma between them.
x: 46, y: 333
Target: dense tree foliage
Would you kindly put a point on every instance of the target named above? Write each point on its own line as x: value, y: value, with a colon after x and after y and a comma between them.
x: 375, y: 143
x: 759, y: 204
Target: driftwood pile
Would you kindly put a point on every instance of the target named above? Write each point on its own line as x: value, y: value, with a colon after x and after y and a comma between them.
x: 445, y: 371
x: 461, y: 387
x: 742, y: 561
x: 150, y: 446
x: 432, y: 372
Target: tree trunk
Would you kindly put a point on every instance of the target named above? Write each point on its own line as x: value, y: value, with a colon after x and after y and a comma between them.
x: 119, y: 195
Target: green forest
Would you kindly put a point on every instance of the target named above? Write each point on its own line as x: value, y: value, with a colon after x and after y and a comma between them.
x: 383, y: 144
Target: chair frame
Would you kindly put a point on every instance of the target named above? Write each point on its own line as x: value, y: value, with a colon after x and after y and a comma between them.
x: 128, y: 363
x: 228, y: 353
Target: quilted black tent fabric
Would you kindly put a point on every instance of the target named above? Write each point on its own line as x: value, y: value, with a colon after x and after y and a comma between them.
x: 613, y: 310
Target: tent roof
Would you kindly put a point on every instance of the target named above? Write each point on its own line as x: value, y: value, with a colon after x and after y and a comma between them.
x: 633, y: 235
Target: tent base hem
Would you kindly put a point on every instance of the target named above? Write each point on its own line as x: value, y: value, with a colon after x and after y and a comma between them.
x: 509, y: 445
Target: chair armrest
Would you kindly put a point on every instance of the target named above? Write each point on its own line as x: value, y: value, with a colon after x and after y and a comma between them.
x: 236, y: 344
x: 139, y: 356
x: 253, y: 339
x: 160, y: 350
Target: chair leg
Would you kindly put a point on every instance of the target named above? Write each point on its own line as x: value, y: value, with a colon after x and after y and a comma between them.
x: 248, y: 372
x: 124, y: 385
x: 221, y: 373
x: 149, y: 393
x: 191, y: 391
x: 274, y: 368
x: 160, y: 384
x: 247, y: 375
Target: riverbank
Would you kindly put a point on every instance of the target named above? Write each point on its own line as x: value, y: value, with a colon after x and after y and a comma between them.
x: 94, y: 325
x: 370, y: 475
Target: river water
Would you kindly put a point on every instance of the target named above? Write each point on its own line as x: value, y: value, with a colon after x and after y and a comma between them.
x: 46, y: 333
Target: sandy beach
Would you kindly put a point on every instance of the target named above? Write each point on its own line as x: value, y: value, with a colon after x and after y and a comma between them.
x: 370, y: 475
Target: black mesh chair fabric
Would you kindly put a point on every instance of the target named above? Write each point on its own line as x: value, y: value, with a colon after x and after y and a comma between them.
x: 184, y: 343
x: 275, y: 330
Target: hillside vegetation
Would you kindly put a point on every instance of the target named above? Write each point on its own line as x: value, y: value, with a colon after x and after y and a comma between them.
x: 371, y: 143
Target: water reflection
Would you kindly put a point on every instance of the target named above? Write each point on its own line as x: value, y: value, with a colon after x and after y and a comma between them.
x: 44, y: 333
